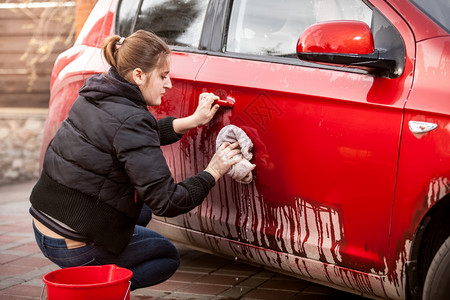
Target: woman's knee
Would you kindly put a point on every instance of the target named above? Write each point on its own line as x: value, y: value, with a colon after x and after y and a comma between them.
x: 173, y: 251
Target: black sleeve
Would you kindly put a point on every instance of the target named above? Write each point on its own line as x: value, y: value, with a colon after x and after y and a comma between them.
x: 199, y: 185
x: 166, y: 131
x: 137, y: 147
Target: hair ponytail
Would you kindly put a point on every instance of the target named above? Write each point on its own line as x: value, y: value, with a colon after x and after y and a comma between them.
x: 142, y: 49
x: 110, y: 49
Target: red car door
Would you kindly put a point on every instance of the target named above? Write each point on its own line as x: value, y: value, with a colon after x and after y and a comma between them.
x: 326, y: 142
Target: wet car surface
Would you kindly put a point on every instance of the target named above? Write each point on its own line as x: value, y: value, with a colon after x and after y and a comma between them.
x: 346, y: 103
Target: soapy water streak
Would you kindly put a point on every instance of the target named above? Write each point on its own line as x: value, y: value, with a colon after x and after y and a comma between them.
x: 303, y: 228
x: 438, y: 188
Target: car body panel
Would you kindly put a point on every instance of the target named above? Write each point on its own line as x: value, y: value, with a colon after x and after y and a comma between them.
x: 423, y: 173
x: 341, y: 184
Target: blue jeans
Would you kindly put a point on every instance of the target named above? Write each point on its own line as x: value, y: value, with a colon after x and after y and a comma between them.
x: 152, y: 257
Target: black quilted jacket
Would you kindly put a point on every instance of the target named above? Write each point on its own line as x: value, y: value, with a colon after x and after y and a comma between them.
x: 105, y: 161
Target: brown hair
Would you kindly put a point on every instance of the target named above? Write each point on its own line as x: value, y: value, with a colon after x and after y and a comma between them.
x: 142, y: 49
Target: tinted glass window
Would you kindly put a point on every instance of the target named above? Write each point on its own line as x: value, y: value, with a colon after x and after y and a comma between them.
x: 273, y: 27
x: 178, y: 22
x: 438, y: 10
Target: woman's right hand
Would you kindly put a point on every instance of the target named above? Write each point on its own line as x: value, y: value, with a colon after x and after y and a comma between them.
x: 226, y: 156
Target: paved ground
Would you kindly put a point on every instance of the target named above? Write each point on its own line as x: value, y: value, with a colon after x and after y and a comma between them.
x: 200, y: 276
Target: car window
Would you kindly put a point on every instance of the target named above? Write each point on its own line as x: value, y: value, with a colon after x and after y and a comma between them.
x: 438, y: 10
x: 178, y: 22
x: 273, y: 27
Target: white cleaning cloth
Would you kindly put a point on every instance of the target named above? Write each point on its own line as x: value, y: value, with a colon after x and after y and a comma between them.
x: 242, y: 171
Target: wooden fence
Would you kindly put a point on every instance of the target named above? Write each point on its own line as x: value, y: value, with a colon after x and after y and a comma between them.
x: 32, y: 34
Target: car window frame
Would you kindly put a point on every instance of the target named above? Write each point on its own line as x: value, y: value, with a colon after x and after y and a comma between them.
x: 215, y: 32
x: 117, y: 18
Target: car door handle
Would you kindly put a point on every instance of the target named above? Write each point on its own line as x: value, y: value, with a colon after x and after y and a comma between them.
x: 227, y: 102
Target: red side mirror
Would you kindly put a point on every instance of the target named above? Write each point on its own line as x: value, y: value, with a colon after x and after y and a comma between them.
x: 349, y: 37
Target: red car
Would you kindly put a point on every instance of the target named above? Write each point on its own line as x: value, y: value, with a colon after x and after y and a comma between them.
x: 347, y: 103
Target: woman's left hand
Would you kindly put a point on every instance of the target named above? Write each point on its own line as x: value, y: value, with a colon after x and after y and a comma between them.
x: 205, y: 110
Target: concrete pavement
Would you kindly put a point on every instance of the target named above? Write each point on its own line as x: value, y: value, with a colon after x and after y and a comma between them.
x: 200, y: 276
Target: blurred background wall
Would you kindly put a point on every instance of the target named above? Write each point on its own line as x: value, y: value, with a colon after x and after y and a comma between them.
x: 32, y: 34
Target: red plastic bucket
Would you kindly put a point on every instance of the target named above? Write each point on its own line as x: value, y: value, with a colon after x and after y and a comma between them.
x: 107, y: 282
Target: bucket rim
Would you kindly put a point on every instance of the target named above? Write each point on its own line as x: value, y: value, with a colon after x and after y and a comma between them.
x: 87, y: 285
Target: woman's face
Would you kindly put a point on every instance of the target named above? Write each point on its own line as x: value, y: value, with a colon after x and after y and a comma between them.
x: 154, y: 84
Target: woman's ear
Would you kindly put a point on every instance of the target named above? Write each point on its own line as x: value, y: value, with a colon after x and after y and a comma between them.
x: 138, y: 76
